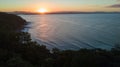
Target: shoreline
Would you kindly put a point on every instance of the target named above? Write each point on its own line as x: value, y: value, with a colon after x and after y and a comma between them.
x: 26, y: 27
x: 17, y: 49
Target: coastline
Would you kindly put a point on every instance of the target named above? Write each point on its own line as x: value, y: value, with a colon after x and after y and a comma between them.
x: 18, y: 50
x: 26, y: 27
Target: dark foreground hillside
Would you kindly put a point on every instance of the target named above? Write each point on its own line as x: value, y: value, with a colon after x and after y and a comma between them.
x: 17, y: 50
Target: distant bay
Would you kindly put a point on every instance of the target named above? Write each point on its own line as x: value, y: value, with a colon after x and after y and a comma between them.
x: 75, y: 31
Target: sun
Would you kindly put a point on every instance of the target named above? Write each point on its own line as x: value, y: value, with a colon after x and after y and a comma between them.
x: 42, y: 10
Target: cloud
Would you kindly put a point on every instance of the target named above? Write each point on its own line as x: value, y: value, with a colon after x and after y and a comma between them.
x: 118, y: 0
x: 114, y: 6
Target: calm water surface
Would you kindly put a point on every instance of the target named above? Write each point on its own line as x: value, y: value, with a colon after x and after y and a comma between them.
x: 75, y: 31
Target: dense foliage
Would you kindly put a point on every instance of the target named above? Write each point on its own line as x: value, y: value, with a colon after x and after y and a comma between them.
x: 17, y: 50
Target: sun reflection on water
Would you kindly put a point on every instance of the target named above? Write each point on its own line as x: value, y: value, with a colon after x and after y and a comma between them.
x: 44, y: 29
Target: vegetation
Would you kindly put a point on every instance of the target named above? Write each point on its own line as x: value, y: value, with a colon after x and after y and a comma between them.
x: 17, y: 50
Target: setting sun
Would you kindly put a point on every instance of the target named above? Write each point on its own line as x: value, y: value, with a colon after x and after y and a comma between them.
x: 42, y: 10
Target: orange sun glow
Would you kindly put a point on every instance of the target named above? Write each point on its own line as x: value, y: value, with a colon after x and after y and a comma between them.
x: 42, y: 10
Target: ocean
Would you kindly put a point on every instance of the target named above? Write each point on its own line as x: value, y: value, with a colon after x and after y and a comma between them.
x: 75, y: 31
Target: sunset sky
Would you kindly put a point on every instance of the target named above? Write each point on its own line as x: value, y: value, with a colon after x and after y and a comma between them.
x: 60, y: 5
